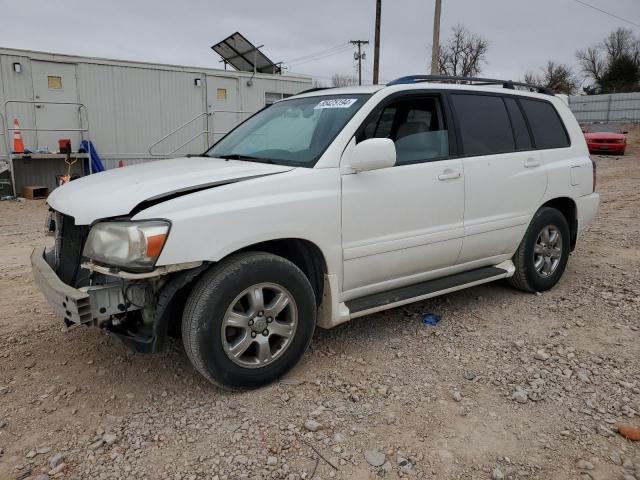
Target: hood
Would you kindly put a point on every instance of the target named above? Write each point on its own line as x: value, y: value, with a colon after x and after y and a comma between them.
x: 604, y: 136
x: 118, y: 191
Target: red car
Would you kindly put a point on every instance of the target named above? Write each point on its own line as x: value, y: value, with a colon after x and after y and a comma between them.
x: 605, y: 138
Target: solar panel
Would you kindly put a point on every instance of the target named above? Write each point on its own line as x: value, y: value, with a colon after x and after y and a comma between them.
x: 242, y: 55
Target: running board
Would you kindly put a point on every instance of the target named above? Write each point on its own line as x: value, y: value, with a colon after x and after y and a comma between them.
x: 359, y: 307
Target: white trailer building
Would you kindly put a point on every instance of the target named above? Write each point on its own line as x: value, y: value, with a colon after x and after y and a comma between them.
x: 125, y: 108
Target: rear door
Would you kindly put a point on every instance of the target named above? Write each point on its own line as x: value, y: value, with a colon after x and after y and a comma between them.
x: 505, y: 177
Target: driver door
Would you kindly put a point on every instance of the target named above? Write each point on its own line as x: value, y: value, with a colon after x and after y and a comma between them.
x: 402, y: 223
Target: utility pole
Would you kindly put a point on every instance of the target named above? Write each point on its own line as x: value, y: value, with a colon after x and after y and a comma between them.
x: 360, y: 56
x: 435, y: 49
x: 376, y: 48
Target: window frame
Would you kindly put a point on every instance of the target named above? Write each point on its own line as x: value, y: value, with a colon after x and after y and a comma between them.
x: 555, y: 111
x: 517, y: 98
x: 439, y: 95
x: 487, y: 94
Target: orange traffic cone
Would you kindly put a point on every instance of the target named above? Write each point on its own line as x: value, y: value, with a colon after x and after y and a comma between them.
x: 18, y: 144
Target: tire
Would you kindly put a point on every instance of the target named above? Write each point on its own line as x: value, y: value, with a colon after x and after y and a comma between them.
x: 224, y: 331
x: 531, y: 276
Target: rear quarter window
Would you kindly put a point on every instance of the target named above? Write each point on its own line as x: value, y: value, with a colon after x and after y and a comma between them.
x: 546, y: 126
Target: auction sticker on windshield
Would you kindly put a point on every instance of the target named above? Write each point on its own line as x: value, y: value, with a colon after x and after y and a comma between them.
x: 335, y: 103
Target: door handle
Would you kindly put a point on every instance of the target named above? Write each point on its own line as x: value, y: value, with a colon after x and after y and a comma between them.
x: 531, y: 163
x: 448, y: 174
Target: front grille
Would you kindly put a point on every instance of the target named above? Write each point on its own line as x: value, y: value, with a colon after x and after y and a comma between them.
x: 69, y: 242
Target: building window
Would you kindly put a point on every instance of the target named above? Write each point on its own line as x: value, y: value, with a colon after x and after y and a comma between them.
x: 221, y: 94
x: 54, y: 83
x: 271, y: 97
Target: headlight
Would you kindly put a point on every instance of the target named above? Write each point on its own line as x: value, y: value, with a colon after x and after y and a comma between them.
x: 133, y: 245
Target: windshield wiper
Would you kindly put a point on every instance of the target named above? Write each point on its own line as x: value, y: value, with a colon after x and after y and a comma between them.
x: 237, y: 156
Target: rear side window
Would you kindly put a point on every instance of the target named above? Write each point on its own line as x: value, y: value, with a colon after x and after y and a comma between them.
x: 520, y: 130
x: 484, y: 124
x: 546, y: 126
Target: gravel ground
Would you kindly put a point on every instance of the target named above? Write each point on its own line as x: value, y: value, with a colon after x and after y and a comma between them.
x: 507, y: 385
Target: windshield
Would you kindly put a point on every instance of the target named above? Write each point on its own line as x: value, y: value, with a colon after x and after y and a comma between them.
x: 291, y: 132
x: 603, y: 128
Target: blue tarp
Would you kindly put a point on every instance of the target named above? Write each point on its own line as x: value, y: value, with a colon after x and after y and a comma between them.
x: 96, y: 162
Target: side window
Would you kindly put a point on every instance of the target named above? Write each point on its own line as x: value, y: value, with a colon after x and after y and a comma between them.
x: 415, y: 124
x: 484, y: 124
x: 520, y: 130
x: 546, y: 125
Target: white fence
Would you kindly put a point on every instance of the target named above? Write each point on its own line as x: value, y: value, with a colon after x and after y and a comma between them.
x: 615, y: 107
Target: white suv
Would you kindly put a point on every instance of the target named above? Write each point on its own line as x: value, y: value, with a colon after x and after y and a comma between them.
x: 323, y: 207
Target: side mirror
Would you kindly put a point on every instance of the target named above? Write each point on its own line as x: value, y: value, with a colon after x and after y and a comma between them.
x: 625, y: 131
x: 373, y: 154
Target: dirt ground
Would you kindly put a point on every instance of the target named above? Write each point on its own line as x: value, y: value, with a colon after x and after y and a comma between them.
x: 393, y: 397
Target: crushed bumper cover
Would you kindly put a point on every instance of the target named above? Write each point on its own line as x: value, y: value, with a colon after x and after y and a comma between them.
x: 71, y: 304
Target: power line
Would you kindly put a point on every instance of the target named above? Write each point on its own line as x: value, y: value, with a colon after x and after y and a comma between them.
x: 606, y: 13
x: 320, y: 57
x: 320, y: 52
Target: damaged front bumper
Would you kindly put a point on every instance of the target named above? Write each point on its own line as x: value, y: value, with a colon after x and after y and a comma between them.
x: 111, y: 304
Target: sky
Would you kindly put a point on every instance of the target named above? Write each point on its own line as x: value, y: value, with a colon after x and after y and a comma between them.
x: 522, y: 35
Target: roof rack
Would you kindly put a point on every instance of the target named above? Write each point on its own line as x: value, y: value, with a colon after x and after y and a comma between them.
x: 314, y: 89
x: 510, y: 84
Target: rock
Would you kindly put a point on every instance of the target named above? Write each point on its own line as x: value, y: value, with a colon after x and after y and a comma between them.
x: 338, y: 437
x: 54, y: 471
x: 457, y: 396
x: 43, y: 450
x: 272, y: 461
x: 4, y: 390
x: 469, y: 375
x: 312, y: 425
x: 401, y: 461
x: 109, y: 439
x: 520, y: 396
x: 497, y: 474
x: 42, y: 476
x: 584, y: 465
x: 541, y: 355
x: 630, y: 432
x: 55, y: 460
x: 374, y: 458
x: 96, y: 445
x: 386, y: 467
x: 3, y: 424
x: 31, y: 454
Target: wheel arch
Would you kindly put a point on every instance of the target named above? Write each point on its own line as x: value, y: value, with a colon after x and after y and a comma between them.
x: 306, y: 255
x: 567, y: 206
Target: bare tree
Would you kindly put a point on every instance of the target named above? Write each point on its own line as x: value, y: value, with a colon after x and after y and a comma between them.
x: 340, y: 80
x: 557, y: 77
x: 318, y: 84
x: 463, y: 53
x: 613, y: 64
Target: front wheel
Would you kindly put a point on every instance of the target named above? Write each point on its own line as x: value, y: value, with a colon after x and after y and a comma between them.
x: 249, y: 320
x: 543, y: 253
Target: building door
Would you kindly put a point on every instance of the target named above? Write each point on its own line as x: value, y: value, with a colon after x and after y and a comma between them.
x: 56, y: 82
x: 222, y: 104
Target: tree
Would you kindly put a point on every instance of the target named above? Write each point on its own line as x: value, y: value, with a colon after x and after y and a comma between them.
x: 557, y: 77
x: 340, y: 80
x: 614, y: 64
x: 463, y: 53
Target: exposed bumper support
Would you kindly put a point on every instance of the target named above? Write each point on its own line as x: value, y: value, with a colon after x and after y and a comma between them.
x: 71, y: 304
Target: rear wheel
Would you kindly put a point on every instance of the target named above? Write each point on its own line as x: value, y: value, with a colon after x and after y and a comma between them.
x: 249, y: 320
x: 543, y: 253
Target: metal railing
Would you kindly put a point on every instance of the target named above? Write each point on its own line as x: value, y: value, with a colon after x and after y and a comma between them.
x: 7, y: 129
x: 208, y: 130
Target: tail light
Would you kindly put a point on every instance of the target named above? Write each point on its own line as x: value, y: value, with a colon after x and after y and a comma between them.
x: 593, y: 164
